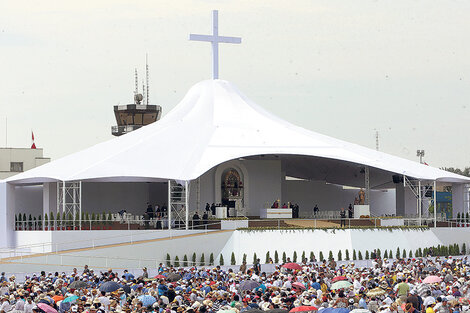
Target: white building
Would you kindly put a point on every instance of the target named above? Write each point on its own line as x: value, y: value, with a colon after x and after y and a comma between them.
x: 16, y: 160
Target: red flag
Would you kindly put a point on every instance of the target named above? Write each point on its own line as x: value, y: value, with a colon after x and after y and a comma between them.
x: 33, y: 146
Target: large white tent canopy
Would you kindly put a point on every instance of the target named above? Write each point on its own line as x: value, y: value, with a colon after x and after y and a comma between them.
x: 214, y: 123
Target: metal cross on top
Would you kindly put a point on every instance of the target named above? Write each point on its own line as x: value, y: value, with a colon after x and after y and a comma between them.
x: 215, y: 39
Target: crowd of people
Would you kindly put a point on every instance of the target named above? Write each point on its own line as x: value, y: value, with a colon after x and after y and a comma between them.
x: 430, y: 285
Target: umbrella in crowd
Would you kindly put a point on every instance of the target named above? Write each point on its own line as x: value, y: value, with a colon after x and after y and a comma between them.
x: 78, y: 284
x: 147, y: 300
x: 159, y: 276
x: 46, y: 308
x: 57, y: 298
x: 430, y: 269
x: 298, y: 285
x: 278, y: 311
x: 126, y: 289
x: 110, y: 286
x: 360, y: 311
x: 303, y: 308
x: 432, y: 279
x: 376, y: 292
x: 70, y: 299
x: 341, y: 285
x: 249, y: 285
x: 173, y: 277
x: 292, y: 266
x: 339, y: 278
x: 335, y: 310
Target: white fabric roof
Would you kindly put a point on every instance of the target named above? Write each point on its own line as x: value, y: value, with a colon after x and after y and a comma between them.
x: 213, y: 123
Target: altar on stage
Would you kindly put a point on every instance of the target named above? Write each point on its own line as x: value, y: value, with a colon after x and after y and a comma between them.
x: 276, y: 213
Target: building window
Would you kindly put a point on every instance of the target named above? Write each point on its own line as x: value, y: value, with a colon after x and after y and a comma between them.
x: 16, y: 166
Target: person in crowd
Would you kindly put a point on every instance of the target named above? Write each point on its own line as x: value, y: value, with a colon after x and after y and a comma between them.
x: 392, y: 286
x: 350, y: 211
x: 342, y: 215
x: 205, y: 217
x: 196, y: 219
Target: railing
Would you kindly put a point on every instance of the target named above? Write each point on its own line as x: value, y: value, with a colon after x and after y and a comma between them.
x: 138, y: 223
x: 129, y: 224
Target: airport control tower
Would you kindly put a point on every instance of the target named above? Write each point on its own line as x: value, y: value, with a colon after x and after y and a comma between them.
x: 130, y: 117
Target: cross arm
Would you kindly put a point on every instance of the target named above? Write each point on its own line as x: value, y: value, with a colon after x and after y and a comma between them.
x: 229, y: 39
x: 201, y: 37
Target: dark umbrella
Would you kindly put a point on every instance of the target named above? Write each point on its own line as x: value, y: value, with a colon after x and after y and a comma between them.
x: 249, y: 285
x: 78, y: 284
x: 254, y: 310
x: 335, y: 310
x: 277, y: 311
x: 430, y: 269
x: 110, y: 286
x: 126, y: 288
x: 173, y: 277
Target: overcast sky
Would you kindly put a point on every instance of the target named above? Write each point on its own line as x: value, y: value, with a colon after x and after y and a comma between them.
x: 341, y: 68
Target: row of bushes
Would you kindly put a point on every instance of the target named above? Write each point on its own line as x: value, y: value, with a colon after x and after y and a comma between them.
x: 452, y: 249
x: 60, y: 220
x: 463, y: 218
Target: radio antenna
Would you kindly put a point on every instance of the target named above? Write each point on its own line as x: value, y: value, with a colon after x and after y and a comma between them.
x: 147, y: 77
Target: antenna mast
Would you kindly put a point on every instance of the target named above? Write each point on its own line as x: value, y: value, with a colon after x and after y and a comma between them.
x: 143, y: 92
x: 136, y: 87
x: 377, y: 140
x: 147, y: 76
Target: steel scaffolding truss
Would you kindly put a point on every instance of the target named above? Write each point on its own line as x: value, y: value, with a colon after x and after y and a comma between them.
x: 178, y: 201
x: 69, y: 201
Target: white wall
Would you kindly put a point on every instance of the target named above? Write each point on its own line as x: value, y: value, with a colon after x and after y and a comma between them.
x: 240, y: 242
x: 51, y: 241
x: 332, y: 197
x: 148, y: 254
x: 325, y: 240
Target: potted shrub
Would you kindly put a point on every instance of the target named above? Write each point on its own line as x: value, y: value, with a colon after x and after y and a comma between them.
x: 76, y: 222
x: 103, y: 221
x: 51, y: 226
x: 110, y: 221
x: 69, y: 223
x: 25, y: 222
x: 58, y: 224
x: 40, y: 222
x: 93, y: 221
x: 17, y: 221
x: 46, y: 222
x: 30, y: 222
x: 87, y: 221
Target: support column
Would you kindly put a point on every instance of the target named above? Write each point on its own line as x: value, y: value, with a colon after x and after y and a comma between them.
x: 419, y: 201
x: 7, y: 214
x: 80, y: 203
x: 186, y: 202
x: 435, y: 204
x: 169, y: 204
